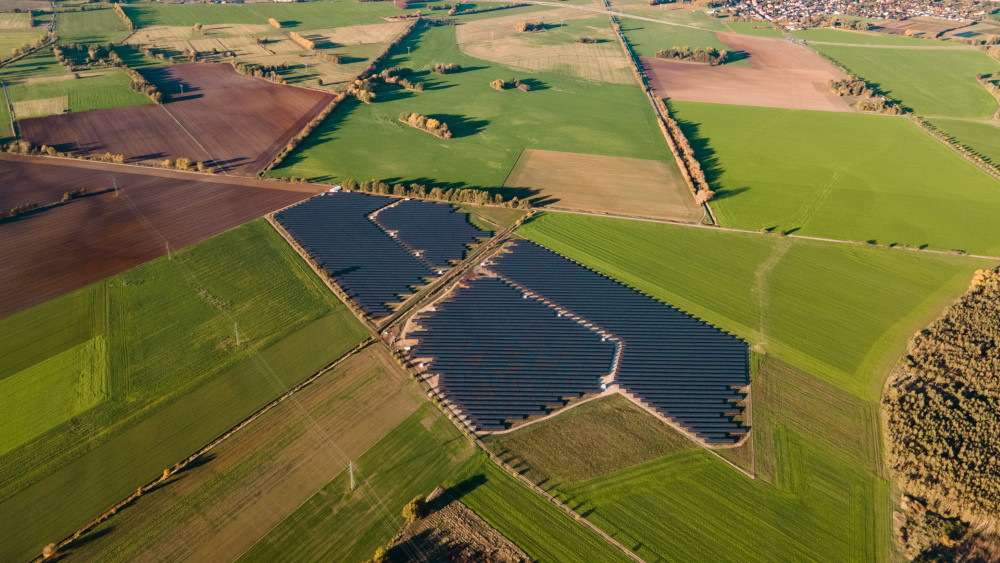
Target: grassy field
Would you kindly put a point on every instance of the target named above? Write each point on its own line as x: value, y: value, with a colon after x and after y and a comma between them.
x: 305, y: 16
x: 492, y: 218
x: 933, y: 83
x: 267, y: 470
x: 11, y: 39
x: 176, y: 377
x: 840, y: 312
x: 109, y: 90
x: 560, y: 450
x: 337, y: 524
x: 100, y: 26
x: 981, y: 136
x: 646, y: 38
x: 760, y: 29
x: 543, y: 531
x: 864, y: 38
x: 847, y: 176
x: 490, y: 128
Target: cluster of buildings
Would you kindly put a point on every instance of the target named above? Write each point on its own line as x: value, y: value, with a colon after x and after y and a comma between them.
x: 798, y: 10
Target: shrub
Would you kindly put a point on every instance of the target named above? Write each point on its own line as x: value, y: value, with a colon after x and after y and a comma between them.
x: 414, y: 510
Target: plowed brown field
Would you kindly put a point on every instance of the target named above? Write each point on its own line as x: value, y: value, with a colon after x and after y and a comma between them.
x: 212, y: 114
x: 781, y: 74
x: 65, y: 247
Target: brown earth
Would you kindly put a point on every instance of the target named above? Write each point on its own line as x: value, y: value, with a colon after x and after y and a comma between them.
x: 781, y: 74
x: 606, y: 184
x: 924, y: 27
x: 25, y: 5
x: 61, y: 248
x: 221, y: 505
x: 451, y: 531
x: 212, y: 114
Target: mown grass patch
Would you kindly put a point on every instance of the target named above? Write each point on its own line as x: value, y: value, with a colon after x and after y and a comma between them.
x: 841, y: 175
x: 562, y: 450
x: 840, y: 312
x: 490, y: 128
x: 101, y: 26
x: 176, y: 376
x: 934, y: 83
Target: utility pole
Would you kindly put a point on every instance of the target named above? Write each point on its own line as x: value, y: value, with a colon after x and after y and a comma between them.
x: 115, y: 181
x: 236, y: 330
x: 350, y: 469
x: 168, y: 251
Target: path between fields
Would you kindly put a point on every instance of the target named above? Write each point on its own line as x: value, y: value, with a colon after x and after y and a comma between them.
x: 767, y: 234
x: 760, y: 279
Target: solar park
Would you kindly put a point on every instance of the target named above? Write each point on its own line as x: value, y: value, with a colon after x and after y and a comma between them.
x: 529, y: 330
x: 377, y: 267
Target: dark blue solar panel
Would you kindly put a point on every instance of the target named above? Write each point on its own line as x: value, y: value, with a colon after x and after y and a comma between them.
x: 437, y: 231
x: 373, y: 268
x: 503, y: 357
x: 685, y: 368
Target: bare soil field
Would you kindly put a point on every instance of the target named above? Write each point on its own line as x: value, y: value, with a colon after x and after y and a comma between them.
x: 555, y: 49
x: 452, y: 532
x: 212, y: 114
x: 781, y: 74
x: 606, y: 184
x: 68, y: 246
x: 222, y: 504
x: 919, y: 26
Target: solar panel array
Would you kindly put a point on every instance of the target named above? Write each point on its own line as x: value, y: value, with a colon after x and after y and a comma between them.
x: 373, y: 268
x: 685, y: 368
x: 501, y: 355
x: 438, y: 231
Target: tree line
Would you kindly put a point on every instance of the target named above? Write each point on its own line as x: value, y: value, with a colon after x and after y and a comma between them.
x: 429, y: 124
x: 446, y: 68
x: 140, y: 84
x: 267, y: 72
x: 420, y: 191
x: 530, y: 26
x: 942, y: 414
x: 456, y: 9
x: 709, y: 55
x: 121, y: 13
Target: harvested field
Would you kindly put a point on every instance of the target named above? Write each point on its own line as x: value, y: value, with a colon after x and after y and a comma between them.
x: 41, y: 108
x: 14, y: 21
x: 555, y: 50
x: 919, y: 26
x: 63, y: 248
x: 263, y: 473
x: 213, y: 114
x: 357, y: 34
x: 781, y: 74
x: 25, y: 5
x: 606, y: 184
x: 452, y: 532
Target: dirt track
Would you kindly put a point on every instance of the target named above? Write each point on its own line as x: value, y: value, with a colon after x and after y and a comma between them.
x: 781, y: 74
x: 212, y: 114
x: 65, y: 247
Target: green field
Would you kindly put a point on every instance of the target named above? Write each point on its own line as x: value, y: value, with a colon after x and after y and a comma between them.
x: 296, y: 16
x: 826, y: 35
x: 109, y: 90
x: 11, y: 39
x: 758, y: 28
x: 543, y: 531
x: 560, y: 450
x: 491, y: 128
x: 100, y: 26
x: 492, y: 218
x: 933, y: 83
x: 337, y: 524
x: 175, y: 375
x: 646, y: 38
x: 857, y: 177
x: 840, y: 312
x: 980, y: 136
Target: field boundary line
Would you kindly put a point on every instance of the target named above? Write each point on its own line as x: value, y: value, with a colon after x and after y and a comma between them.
x: 791, y: 236
x: 181, y: 465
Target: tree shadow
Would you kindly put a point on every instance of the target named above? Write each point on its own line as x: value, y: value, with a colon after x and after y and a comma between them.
x: 82, y: 541
x: 465, y: 487
x: 535, y: 84
x: 460, y: 125
x: 706, y: 155
x: 349, y: 59
x: 290, y: 23
x: 737, y: 55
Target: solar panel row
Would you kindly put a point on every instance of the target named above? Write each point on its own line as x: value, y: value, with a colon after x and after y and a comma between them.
x: 685, y: 368
x: 439, y: 232
x: 372, y: 267
x: 501, y: 356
